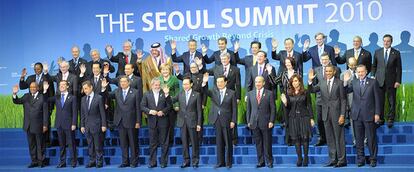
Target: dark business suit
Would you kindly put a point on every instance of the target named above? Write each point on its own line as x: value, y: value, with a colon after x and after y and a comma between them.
x: 135, y: 82
x: 313, y: 54
x: 197, y: 86
x: 93, y: 118
x: 120, y: 59
x: 333, y: 105
x: 220, y: 115
x: 364, y: 58
x: 101, y: 63
x: 127, y: 114
x: 72, y: 80
x: 188, y: 117
x: 233, y: 77
x: 248, y: 63
x: 282, y: 55
x: 387, y: 74
x: 74, y: 67
x: 66, y: 116
x: 25, y: 84
x: 320, y: 75
x: 365, y: 104
x: 254, y: 72
x: 258, y: 115
x: 185, y: 59
x: 158, y: 125
x: 216, y: 58
x: 35, y: 117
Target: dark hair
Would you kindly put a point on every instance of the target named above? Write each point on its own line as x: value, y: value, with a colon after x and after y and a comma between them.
x: 124, y: 77
x: 291, y: 90
x: 40, y: 64
x: 290, y: 39
x: 189, y: 78
x: 221, y: 76
x: 99, y: 64
x: 256, y: 42
x: 88, y: 83
x: 387, y: 35
x: 222, y: 39
x: 65, y: 81
x: 264, y: 52
x: 192, y: 40
x: 292, y: 62
x: 361, y: 65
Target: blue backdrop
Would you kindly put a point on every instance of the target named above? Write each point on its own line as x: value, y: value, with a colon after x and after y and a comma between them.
x: 43, y: 30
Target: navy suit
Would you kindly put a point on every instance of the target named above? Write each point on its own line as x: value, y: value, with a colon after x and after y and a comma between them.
x: 35, y: 117
x: 66, y: 116
x: 216, y: 58
x: 365, y: 105
x: 93, y: 118
x: 185, y: 59
x: 127, y: 114
x: 312, y: 53
x: 221, y: 114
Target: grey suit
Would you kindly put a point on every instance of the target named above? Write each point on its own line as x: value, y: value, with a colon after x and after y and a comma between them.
x: 258, y: 115
x: 188, y: 117
x: 333, y: 105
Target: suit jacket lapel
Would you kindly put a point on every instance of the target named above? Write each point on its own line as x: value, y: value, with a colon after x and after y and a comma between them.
x: 365, y: 87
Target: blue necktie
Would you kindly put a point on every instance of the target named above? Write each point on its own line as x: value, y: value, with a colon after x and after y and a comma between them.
x: 260, y: 71
x: 87, y: 101
x: 37, y: 79
x: 386, y: 56
x: 124, y: 94
x: 62, y: 100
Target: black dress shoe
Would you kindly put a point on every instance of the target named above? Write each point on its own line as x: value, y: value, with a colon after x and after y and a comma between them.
x: 73, y: 165
x: 330, y: 164
x: 90, y: 165
x: 62, y: 165
x: 152, y: 166
x: 134, y: 165
x: 195, y: 165
x: 185, y: 165
x: 320, y: 143
x: 361, y: 164
x: 228, y: 166
x: 32, y: 165
x: 373, y: 164
x: 340, y: 165
x: 218, y: 165
x: 99, y: 165
x: 123, y: 165
x: 163, y: 166
x: 269, y: 165
x: 305, y: 161
x: 390, y: 124
x: 41, y: 165
x: 260, y: 165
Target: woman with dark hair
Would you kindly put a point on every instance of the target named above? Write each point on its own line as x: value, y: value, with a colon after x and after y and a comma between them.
x: 299, y: 120
x: 282, y: 80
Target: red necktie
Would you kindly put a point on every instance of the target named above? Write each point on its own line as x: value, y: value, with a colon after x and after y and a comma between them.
x: 126, y: 59
x: 258, y: 97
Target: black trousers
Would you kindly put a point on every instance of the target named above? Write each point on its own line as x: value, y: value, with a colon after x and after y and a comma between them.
x: 224, y: 144
x: 172, y: 117
x: 66, y: 137
x: 321, y: 126
x: 95, y: 146
x: 190, y: 134
x: 36, y: 147
x: 370, y: 129
x: 159, y: 137
x: 129, y: 140
x: 391, y: 93
x: 263, y: 139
